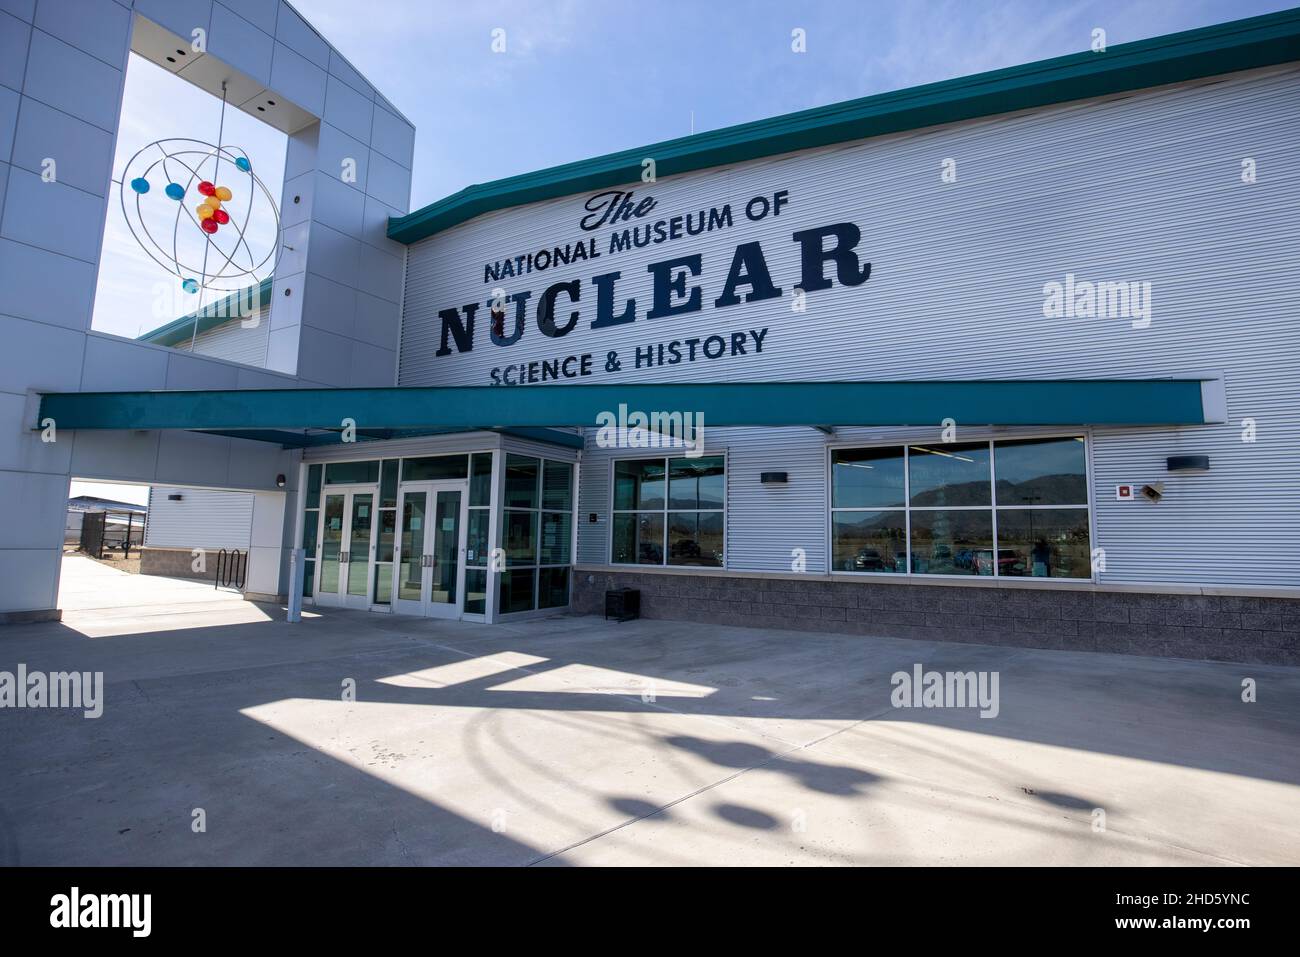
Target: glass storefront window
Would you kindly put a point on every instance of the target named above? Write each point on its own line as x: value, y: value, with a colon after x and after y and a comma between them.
x: 434, y: 468
x: 387, y: 533
x: 521, y: 481
x: 352, y: 473
x: 1041, y: 472
x: 517, y: 590
x: 311, y: 526
x: 638, y: 538
x: 669, y: 511
x: 1044, y: 542
x: 695, y: 483
x: 312, y: 498
x: 520, y: 537
x: 536, y: 527
x: 956, y: 474
x: 865, y: 541
x: 476, y: 537
x: 638, y: 484
x: 695, y: 538
x: 537, y: 532
x: 557, y: 530
x: 868, y: 478
x: 480, y: 479
x: 557, y: 486
x: 475, y: 591
x: 952, y: 541
x: 388, y: 485
x: 310, y: 529
x: 950, y: 509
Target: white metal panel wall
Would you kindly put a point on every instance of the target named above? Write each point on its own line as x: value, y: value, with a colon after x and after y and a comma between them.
x: 235, y: 342
x: 1140, y: 187
x: 203, y: 518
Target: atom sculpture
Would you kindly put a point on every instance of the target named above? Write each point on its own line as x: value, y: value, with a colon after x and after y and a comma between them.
x: 195, y: 225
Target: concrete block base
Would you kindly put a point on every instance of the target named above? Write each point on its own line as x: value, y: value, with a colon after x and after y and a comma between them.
x: 27, y: 617
x: 1213, y: 627
x: 177, y: 563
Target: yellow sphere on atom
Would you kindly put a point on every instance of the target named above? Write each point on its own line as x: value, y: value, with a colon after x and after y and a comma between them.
x: 205, y: 211
x: 223, y: 193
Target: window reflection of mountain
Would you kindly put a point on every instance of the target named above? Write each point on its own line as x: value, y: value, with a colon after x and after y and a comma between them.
x: 963, y: 493
x: 1064, y: 489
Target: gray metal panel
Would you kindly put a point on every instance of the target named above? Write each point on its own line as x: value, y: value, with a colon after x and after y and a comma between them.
x: 235, y: 342
x: 203, y: 518
x: 1141, y: 187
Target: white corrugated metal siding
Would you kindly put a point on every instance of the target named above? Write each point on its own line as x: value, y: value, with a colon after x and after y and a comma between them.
x: 234, y: 341
x: 203, y: 518
x: 1140, y: 187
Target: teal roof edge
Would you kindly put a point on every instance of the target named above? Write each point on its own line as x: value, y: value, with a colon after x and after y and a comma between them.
x: 921, y: 402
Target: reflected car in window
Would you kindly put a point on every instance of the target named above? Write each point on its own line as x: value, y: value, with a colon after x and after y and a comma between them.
x: 868, y: 560
x: 1009, y: 562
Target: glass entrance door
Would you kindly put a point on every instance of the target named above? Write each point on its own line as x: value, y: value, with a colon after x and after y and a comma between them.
x: 431, y: 549
x: 347, y: 548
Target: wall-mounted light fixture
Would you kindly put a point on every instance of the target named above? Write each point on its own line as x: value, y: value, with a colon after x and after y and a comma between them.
x: 279, y: 481
x: 1188, y: 463
x: 774, y: 478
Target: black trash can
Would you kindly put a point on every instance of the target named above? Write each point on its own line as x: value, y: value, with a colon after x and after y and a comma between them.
x: 622, y: 604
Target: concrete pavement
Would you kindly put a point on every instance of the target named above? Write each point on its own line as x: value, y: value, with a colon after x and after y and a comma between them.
x: 571, y: 741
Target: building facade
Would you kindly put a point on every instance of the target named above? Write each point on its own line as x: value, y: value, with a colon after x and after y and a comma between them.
x: 1006, y: 359
x: 333, y: 317
x: 1145, y: 234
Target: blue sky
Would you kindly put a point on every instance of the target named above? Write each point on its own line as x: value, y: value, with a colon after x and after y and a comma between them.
x: 581, y: 78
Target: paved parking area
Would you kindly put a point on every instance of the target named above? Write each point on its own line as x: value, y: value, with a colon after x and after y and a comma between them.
x: 89, y: 586
x: 570, y: 741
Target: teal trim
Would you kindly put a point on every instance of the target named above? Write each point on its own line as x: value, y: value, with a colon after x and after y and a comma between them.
x: 1208, y: 51
x: 210, y: 316
x: 990, y: 402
